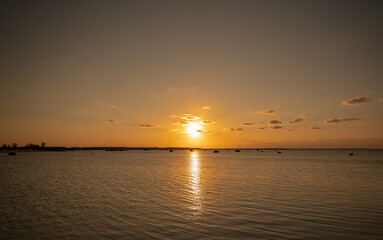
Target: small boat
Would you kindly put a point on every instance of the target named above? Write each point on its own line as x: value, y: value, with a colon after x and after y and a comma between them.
x: 237, y: 150
x: 171, y: 150
x: 351, y: 154
x: 279, y: 152
x: 11, y: 153
x: 215, y: 151
x: 191, y: 150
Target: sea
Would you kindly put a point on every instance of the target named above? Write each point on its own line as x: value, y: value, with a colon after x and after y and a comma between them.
x: 157, y: 194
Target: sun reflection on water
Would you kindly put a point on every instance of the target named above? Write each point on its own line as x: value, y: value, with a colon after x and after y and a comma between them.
x: 194, y: 183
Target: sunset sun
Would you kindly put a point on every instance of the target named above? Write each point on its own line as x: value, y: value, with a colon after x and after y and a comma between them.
x: 194, y: 129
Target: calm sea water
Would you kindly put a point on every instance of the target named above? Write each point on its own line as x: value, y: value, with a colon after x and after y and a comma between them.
x: 311, y: 194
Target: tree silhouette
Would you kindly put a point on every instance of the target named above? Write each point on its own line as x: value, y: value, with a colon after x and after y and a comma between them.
x: 14, y: 145
x: 43, y: 144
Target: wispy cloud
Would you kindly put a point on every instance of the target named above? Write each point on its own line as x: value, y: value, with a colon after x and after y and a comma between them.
x: 148, y: 126
x: 112, y: 121
x: 251, y: 123
x: 206, y: 108
x: 278, y: 106
x: 182, y: 123
x: 233, y: 129
x: 189, y: 117
x: 275, y: 122
x: 266, y: 112
x: 275, y: 127
x: 305, y: 115
x: 357, y: 101
x: 315, y: 128
x: 203, y: 131
x: 341, y: 120
x: 297, y: 120
x: 207, y: 122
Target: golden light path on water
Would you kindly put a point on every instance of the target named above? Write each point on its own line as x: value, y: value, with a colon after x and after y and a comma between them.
x: 194, y: 184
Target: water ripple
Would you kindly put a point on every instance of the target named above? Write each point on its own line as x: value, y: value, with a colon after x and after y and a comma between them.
x: 189, y: 195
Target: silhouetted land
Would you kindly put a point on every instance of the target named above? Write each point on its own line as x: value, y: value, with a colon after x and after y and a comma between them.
x: 39, y: 149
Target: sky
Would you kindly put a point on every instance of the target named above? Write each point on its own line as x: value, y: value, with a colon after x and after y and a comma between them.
x: 210, y: 74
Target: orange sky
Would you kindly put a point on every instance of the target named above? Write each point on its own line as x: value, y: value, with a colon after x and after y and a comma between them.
x: 242, y: 73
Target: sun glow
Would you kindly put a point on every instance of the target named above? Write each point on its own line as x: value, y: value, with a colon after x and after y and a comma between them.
x: 194, y: 129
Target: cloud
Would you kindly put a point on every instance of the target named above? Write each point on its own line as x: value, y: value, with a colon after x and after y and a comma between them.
x: 189, y: 117
x: 357, y: 101
x: 266, y: 112
x: 261, y: 128
x: 315, y: 128
x: 173, y: 89
x: 276, y: 127
x: 297, y: 100
x: 206, y: 108
x: 203, y: 131
x: 380, y: 100
x: 182, y: 123
x: 207, y: 122
x: 112, y: 121
x: 251, y: 123
x: 277, y: 107
x: 297, y: 120
x: 341, y: 120
x: 233, y: 129
x: 148, y: 126
x: 305, y: 115
x: 275, y: 122
x: 186, y: 117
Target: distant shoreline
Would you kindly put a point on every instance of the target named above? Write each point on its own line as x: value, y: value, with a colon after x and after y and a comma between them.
x: 62, y: 149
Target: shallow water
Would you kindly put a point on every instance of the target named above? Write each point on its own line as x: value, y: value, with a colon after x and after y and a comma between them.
x: 311, y: 194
